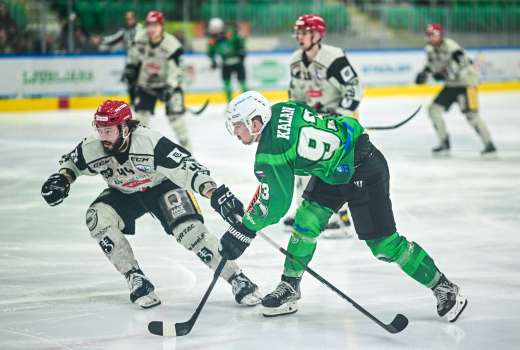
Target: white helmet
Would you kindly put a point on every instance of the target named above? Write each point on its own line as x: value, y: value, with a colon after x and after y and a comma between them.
x: 216, y: 25
x: 246, y: 106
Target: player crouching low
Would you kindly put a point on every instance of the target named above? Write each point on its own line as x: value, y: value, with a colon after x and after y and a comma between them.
x: 145, y: 173
x: 292, y: 139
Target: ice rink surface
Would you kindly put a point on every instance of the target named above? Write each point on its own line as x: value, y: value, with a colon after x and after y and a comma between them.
x: 58, y: 291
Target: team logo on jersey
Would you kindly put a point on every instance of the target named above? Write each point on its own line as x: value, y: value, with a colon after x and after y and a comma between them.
x: 259, y: 173
x: 144, y: 168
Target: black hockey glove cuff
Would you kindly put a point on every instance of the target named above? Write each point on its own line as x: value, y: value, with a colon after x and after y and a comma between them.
x: 421, y: 77
x: 235, y: 241
x: 227, y: 205
x: 55, y: 189
x: 439, y: 76
x: 130, y: 74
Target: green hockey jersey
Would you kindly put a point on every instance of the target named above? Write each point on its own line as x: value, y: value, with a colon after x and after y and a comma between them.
x: 298, y: 141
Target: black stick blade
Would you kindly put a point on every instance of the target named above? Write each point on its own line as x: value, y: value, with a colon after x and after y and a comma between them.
x: 398, y: 324
x: 165, y: 329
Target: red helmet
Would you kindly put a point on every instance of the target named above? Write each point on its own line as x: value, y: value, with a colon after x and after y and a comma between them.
x: 311, y: 22
x: 433, y: 28
x: 155, y: 17
x: 111, y: 113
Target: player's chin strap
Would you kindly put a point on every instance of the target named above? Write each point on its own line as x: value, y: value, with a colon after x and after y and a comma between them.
x: 313, y: 44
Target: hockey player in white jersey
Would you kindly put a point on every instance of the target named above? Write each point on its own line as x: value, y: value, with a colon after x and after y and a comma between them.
x: 154, y: 62
x: 323, y: 78
x: 146, y: 173
x: 446, y: 61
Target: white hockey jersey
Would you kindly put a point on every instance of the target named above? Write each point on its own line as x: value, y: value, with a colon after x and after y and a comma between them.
x: 329, y: 80
x: 449, y: 58
x: 160, y: 65
x: 150, y: 159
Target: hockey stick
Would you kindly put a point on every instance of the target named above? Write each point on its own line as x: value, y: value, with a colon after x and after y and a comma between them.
x: 171, y: 329
x: 395, y: 126
x: 200, y: 110
x: 398, y: 323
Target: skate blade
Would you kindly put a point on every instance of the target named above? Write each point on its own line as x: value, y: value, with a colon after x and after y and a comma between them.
x: 489, y: 156
x: 286, y: 309
x: 441, y: 154
x: 148, y: 301
x: 252, y: 299
x: 460, y: 312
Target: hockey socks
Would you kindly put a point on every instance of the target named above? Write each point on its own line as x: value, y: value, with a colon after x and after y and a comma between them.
x: 412, y: 259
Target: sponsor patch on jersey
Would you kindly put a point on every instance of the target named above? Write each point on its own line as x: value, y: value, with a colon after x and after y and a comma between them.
x: 91, y: 219
x: 177, y: 155
x: 313, y: 93
x: 144, y: 168
x: 343, y: 169
x: 259, y: 173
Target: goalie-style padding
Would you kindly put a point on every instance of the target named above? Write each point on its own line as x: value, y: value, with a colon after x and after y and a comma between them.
x: 194, y: 236
x: 106, y: 226
x: 412, y: 259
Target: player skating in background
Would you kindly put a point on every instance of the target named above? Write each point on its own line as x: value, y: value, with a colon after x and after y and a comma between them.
x: 124, y: 39
x: 145, y: 173
x: 228, y: 46
x: 446, y: 61
x: 154, y: 63
x: 345, y: 167
x: 323, y: 78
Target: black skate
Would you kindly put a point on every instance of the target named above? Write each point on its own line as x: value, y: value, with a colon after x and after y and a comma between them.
x: 141, y: 289
x: 283, y: 300
x: 450, y: 302
x: 443, y: 149
x: 245, y: 291
x: 489, y: 151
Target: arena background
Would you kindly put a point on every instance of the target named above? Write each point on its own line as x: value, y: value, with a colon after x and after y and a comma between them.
x: 53, y: 57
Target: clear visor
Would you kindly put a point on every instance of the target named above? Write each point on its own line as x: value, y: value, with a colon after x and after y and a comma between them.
x: 300, y: 31
x: 232, y: 127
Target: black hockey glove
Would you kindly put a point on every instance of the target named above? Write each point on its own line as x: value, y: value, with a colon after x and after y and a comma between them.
x: 55, y: 189
x: 214, y: 64
x: 421, y: 77
x: 227, y: 205
x: 439, y: 76
x: 235, y: 241
x: 174, y: 100
x: 130, y: 74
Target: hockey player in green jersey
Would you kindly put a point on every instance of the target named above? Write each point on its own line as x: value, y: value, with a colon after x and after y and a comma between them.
x: 229, y: 46
x: 345, y: 167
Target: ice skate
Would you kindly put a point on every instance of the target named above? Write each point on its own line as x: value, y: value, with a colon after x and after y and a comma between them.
x: 141, y: 289
x: 283, y: 300
x: 489, y: 151
x: 450, y: 301
x: 443, y: 149
x: 245, y: 291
